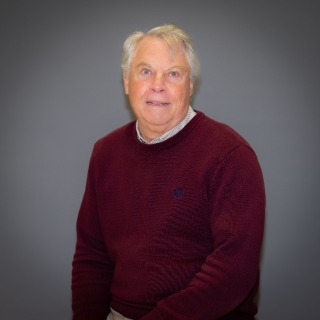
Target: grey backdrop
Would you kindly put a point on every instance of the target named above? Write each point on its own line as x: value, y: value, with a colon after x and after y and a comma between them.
x: 61, y: 90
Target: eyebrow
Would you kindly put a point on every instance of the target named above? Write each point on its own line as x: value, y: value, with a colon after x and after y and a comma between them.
x: 144, y: 64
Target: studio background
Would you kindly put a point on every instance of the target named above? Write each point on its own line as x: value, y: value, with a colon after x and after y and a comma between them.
x: 61, y: 90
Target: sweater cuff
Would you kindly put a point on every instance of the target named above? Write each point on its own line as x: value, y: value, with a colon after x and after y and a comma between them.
x: 90, y: 315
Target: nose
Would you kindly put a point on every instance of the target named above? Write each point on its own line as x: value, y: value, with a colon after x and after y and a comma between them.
x: 158, y: 84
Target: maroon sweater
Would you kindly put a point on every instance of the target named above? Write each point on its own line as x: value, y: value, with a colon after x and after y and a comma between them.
x: 170, y: 230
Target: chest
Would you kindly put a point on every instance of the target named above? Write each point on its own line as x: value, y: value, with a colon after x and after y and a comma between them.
x: 149, y: 200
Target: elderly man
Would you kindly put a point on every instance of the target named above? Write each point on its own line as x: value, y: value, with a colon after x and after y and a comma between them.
x: 171, y: 222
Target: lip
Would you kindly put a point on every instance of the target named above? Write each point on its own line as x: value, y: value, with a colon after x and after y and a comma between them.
x: 157, y: 103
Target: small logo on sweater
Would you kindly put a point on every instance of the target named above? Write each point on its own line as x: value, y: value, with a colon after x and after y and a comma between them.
x: 178, y: 193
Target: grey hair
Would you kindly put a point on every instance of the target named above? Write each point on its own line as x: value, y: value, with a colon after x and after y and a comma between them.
x: 173, y: 36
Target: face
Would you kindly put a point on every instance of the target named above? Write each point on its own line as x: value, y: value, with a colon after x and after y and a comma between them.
x: 158, y: 86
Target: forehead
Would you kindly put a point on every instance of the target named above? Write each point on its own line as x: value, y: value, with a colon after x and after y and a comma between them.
x: 158, y: 50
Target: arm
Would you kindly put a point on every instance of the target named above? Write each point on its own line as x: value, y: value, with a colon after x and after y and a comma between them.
x: 92, y: 268
x: 230, y: 272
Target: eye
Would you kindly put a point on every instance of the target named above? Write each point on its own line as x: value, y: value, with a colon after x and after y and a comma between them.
x: 145, y: 72
x: 174, y: 74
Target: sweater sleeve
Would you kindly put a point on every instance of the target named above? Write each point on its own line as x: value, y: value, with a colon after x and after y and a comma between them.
x: 229, y: 274
x: 91, y: 268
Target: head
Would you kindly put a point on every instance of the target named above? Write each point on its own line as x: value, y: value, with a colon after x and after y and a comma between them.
x: 175, y: 37
x: 160, y: 68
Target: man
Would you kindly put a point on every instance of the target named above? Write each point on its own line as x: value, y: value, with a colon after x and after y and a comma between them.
x: 171, y: 222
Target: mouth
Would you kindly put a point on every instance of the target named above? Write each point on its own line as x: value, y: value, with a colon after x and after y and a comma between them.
x: 155, y: 103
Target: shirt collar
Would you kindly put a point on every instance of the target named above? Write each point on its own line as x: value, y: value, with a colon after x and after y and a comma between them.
x: 170, y: 133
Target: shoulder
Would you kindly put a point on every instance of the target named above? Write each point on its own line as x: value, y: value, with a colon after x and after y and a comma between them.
x: 227, y: 152
x: 117, y: 137
x: 117, y: 134
x: 218, y: 135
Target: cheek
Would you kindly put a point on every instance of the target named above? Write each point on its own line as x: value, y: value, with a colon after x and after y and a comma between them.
x: 180, y: 93
x: 138, y: 88
x: 137, y: 95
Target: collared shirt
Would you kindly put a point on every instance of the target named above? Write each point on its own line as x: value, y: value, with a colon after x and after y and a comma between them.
x: 170, y: 133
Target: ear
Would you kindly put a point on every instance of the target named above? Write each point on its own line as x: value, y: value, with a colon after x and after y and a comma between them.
x: 125, y: 78
x: 191, y: 88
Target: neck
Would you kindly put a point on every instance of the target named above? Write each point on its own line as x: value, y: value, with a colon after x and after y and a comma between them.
x: 149, y: 133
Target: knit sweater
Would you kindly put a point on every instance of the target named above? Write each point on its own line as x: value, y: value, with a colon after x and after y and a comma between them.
x: 171, y: 230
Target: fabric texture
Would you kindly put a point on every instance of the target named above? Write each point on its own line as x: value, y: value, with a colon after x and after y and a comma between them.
x: 114, y: 315
x: 170, y: 230
x: 190, y: 114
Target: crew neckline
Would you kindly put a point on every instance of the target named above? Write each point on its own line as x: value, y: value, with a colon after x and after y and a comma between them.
x: 171, y: 141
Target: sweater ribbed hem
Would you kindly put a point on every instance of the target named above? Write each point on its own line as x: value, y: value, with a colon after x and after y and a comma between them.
x: 90, y: 315
x: 155, y: 314
x: 131, y: 311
